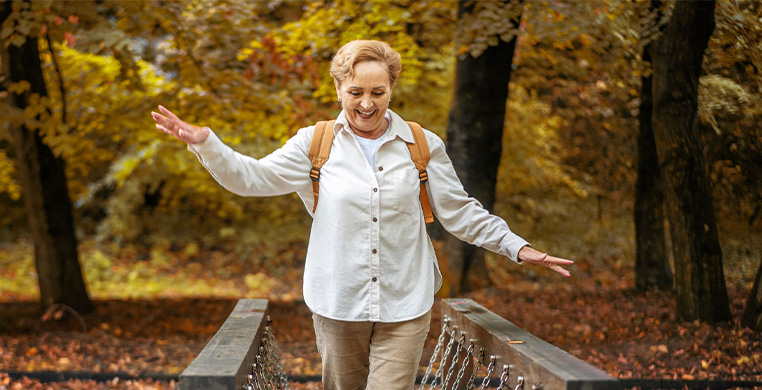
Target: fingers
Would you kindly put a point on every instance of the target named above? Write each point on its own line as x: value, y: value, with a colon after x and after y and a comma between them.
x: 534, y: 256
x: 169, y: 114
x: 558, y: 260
x: 169, y: 123
x: 163, y: 129
x: 560, y: 270
x: 164, y: 124
x: 169, y: 120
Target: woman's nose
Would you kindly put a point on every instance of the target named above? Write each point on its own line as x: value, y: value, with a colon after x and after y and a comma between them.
x: 366, y: 103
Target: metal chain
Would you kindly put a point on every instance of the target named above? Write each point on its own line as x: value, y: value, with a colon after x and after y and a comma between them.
x: 466, y: 361
x: 254, y: 382
x: 280, y: 380
x: 454, y: 360
x: 255, y: 374
x: 280, y: 372
x: 267, y: 360
x: 437, y: 348
x: 271, y: 378
x: 477, y: 366
x: 262, y: 371
x: 267, y: 372
x: 504, y: 376
x: 520, y: 383
x: 490, y: 370
x: 440, y: 370
x: 263, y: 359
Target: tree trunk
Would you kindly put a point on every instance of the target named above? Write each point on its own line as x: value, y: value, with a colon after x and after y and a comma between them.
x: 45, y: 190
x: 652, y: 269
x: 474, y: 143
x: 752, y: 315
x: 677, y: 56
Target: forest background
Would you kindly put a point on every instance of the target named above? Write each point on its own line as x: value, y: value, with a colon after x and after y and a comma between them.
x: 151, y: 224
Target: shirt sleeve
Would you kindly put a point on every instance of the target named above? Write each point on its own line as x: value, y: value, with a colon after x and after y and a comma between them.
x: 284, y: 171
x: 461, y: 215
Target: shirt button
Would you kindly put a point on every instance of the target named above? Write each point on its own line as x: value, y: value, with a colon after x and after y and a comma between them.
x: 380, y: 169
x: 374, y: 251
x: 375, y: 219
x: 375, y: 189
x: 374, y: 279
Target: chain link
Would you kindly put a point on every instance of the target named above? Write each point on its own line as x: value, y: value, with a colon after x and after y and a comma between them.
x: 279, y: 372
x: 466, y: 361
x: 490, y: 370
x: 477, y: 366
x: 437, y: 348
x: 254, y: 377
x: 454, y: 360
x: 519, y: 383
x: 440, y: 370
x: 267, y: 371
x: 504, y: 376
x: 278, y: 377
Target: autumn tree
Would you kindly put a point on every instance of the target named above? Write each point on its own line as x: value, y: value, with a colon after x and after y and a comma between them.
x: 41, y: 172
x: 730, y: 111
x: 677, y: 57
x: 477, y: 116
x: 652, y: 268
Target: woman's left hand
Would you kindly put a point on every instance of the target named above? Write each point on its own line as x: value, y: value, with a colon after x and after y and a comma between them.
x: 531, y: 255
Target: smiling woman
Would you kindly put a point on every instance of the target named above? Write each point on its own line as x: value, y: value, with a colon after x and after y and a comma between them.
x: 364, y: 73
x: 371, y: 272
x: 365, y: 98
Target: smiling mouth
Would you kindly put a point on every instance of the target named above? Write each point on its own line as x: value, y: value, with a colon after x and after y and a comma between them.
x: 366, y: 114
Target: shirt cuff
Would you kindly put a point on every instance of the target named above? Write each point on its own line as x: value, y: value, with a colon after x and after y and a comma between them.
x: 512, y: 248
x: 211, y: 142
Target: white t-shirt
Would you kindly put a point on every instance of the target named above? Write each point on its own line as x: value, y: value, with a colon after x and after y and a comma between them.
x: 370, y: 147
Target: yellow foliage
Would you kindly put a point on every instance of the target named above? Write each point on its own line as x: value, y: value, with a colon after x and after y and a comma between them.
x: 531, y: 147
x: 19, y: 87
x: 8, y: 183
x: 427, y: 71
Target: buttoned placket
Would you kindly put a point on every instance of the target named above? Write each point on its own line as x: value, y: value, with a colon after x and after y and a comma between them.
x: 374, y: 263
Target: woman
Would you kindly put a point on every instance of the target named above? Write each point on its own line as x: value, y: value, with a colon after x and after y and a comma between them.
x: 370, y: 274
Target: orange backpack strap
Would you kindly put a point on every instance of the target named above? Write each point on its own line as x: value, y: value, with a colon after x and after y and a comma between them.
x: 420, y: 154
x: 320, y: 149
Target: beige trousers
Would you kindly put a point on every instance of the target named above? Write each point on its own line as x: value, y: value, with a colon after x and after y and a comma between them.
x: 370, y: 355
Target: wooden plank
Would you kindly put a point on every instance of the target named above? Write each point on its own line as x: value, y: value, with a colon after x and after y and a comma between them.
x: 541, y: 364
x: 225, y: 362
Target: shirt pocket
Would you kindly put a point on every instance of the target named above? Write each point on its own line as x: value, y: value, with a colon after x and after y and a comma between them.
x: 406, y: 189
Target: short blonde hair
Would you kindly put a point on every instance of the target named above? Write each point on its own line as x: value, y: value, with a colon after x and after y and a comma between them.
x: 357, y: 51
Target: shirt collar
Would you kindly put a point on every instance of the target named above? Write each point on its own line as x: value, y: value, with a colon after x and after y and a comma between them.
x: 399, y: 128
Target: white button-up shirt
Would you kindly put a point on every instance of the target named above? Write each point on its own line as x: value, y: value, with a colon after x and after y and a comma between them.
x: 369, y: 257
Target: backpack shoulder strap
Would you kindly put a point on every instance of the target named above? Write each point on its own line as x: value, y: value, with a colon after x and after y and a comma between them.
x: 320, y: 149
x: 420, y: 154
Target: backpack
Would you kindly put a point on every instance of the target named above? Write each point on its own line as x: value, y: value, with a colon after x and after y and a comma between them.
x: 320, y: 149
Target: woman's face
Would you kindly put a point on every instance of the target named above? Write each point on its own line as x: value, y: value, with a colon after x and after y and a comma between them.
x: 365, y: 98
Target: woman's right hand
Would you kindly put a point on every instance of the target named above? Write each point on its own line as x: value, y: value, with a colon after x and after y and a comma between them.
x: 184, y: 131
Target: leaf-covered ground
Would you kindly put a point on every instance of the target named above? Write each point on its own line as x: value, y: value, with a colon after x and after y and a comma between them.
x: 596, y: 315
x: 626, y: 333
